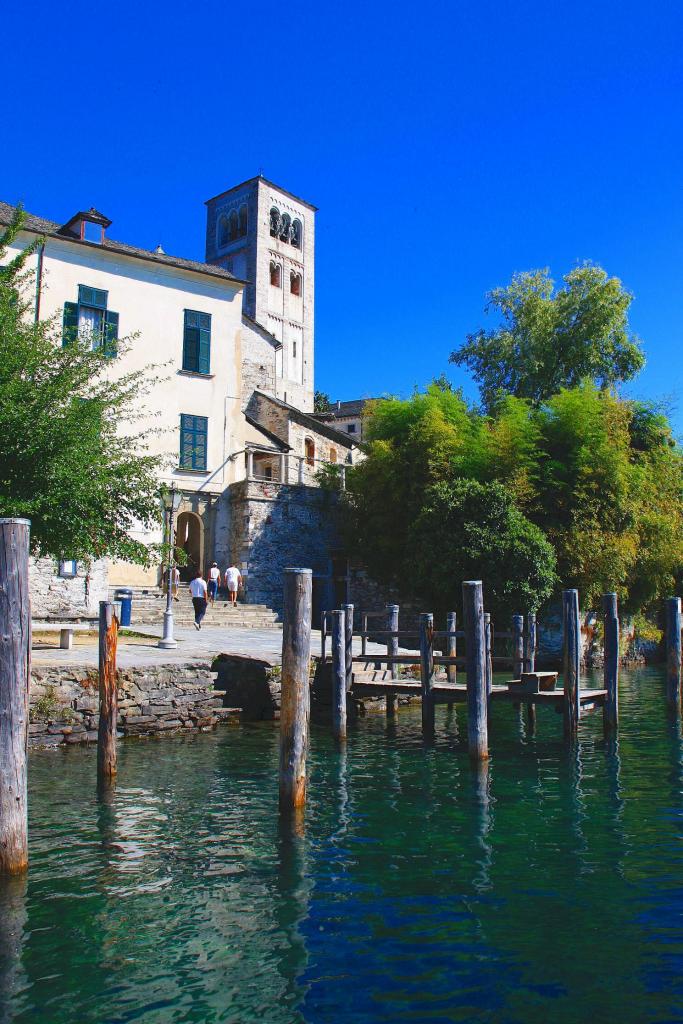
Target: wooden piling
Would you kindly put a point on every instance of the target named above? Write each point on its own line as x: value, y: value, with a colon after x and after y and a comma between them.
x: 338, y: 674
x: 517, y: 646
x: 673, y: 652
x: 106, y: 733
x: 488, y: 635
x: 475, y: 660
x: 610, y: 709
x: 15, y: 671
x: 295, y: 694
x: 530, y: 663
x: 392, y: 650
x: 427, y: 673
x: 348, y: 612
x: 451, y: 645
x: 571, y: 661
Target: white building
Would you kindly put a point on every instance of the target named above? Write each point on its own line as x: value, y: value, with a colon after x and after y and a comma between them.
x: 229, y: 346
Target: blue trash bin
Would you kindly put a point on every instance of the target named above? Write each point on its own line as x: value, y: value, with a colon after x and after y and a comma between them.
x: 125, y: 596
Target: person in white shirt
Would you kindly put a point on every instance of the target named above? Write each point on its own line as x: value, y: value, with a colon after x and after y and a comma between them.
x: 198, y: 592
x: 214, y: 580
x: 233, y: 580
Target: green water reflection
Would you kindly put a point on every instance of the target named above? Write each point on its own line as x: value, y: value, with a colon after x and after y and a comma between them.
x: 543, y: 887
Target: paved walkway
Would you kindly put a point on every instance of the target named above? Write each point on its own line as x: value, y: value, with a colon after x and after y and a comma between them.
x: 192, y: 646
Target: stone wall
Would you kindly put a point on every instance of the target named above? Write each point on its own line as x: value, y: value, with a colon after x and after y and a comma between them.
x: 64, y: 702
x: 258, y: 361
x: 55, y: 597
x: 275, y: 526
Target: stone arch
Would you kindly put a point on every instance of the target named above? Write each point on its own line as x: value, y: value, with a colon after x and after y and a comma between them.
x: 189, y: 537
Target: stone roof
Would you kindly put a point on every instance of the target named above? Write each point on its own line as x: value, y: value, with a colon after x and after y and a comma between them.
x: 281, y: 444
x: 50, y: 228
x: 259, y: 177
x: 309, y: 420
x: 342, y: 410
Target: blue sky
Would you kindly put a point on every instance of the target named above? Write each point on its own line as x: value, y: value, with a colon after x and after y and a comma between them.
x: 447, y: 145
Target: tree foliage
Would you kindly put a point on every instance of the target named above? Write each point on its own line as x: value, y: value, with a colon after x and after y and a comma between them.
x: 321, y: 402
x: 549, y: 339
x: 69, y: 461
x: 597, y: 478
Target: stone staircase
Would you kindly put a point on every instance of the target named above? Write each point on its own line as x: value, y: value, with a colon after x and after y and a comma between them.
x: 149, y: 604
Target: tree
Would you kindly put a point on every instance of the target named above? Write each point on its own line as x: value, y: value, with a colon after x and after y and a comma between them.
x: 321, y: 402
x: 549, y: 339
x: 66, y: 460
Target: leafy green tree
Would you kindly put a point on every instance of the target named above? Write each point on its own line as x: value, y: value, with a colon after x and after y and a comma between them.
x: 549, y: 338
x: 321, y: 402
x: 69, y: 461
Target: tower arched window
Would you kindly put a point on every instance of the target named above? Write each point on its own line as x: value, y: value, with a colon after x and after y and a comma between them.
x: 274, y: 222
x: 243, y: 217
x: 285, y: 227
x: 295, y: 283
x: 296, y: 234
x: 223, y: 231
x: 234, y: 225
x: 309, y: 451
x: 275, y: 274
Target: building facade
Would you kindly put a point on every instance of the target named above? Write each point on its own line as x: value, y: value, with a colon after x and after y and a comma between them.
x: 228, y: 346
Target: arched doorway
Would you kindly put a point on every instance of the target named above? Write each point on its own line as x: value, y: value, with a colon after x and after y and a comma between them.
x: 189, y: 537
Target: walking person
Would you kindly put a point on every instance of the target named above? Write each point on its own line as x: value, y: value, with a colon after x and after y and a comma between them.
x: 214, y: 580
x: 198, y: 592
x: 233, y: 581
x: 175, y: 582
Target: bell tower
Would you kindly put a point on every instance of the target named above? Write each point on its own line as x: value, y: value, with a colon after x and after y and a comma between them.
x: 266, y: 236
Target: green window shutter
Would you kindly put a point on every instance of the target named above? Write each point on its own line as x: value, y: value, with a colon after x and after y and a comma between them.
x: 70, y: 323
x: 197, y: 342
x: 191, y: 349
x: 111, y: 333
x: 92, y: 296
x: 193, y: 434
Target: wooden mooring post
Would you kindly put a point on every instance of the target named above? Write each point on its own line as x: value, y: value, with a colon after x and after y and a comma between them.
x: 295, y: 701
x: 571, y: 662
x: 15, y: 672
x: 338, y: 674
x: 106, y: 733
x: 475, y: 660
x: 451, y: 645
x: 530, y: 662
x: 348, y: 612
x: 488, y: 635
x: 673, y: 652
x: 392, y: 651
x: 427, y: 673
x: 610, y: 709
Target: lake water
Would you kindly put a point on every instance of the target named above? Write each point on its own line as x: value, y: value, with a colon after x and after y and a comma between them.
x: 546, y: 889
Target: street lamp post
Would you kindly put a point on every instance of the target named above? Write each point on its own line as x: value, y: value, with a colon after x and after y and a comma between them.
x: 170, y: 503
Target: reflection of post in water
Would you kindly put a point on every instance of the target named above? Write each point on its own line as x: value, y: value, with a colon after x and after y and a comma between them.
x: 616, y: 801
x: 569, y: 784
x: 12, y: 924
x: 291, y: 904
x: 481, y: 796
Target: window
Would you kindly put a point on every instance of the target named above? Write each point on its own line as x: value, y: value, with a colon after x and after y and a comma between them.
x: 243, y: 221
x: 351, y: 428
x: 274, y: 222
x: 193, y: 433
x: 234, y: 226
x: 197, y: 342
x: 223, y: 231
x: 68, y: 568
x: 295, y: 283
x: 309, y: 451
x: 285, y: 227
x: 333, y: 456
x: 275, y: 274
x: 296, y: 234
x: 90, y: 321
x: 294, y: 350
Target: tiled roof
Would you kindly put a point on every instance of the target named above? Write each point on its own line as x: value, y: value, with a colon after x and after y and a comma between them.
x: 309, y: 420
x: 41, y: 226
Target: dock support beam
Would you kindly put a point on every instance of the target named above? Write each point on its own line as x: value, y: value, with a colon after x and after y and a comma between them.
x: 451, y: 645
x: 610, y: 709
x: 488, y: 634
x: 517, y: 646
x: 338, y: 674
x: 348, y: 612
x: 15, y: 672
x: 427, y: 674
x: 673, y: 652
x: 475, y: 660
x: 572, y: 662
x: 295, y: 695
x: 392, y: 650
x: 106, y: 733
x: 530, y: 662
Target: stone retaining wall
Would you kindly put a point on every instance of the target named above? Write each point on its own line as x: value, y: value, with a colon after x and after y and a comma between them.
x: 166, y: 698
